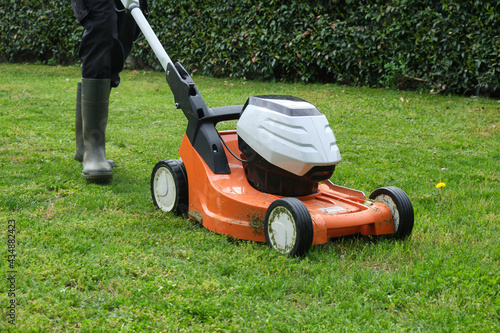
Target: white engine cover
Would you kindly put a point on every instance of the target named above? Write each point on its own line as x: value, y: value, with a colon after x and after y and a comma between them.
x: 288, y: 132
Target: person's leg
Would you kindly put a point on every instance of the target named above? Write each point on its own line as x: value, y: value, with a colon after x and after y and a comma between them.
x: 99, y: 40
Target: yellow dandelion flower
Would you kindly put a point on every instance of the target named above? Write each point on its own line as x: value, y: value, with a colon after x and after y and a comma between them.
x: 440, y: 184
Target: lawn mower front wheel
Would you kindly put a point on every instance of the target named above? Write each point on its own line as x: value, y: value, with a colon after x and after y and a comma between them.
x: 169, y: 186
x: 401, y: 209
x: 288, y: 227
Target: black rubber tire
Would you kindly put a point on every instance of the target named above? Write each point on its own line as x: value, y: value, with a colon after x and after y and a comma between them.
x: 297, y: 216
x: 404, y: 219
x: 177, y: 203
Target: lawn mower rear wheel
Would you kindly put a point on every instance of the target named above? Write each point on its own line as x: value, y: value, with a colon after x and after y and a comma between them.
x: 401, y: 209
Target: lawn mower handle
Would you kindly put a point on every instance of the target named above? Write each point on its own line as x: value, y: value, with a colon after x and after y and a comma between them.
x: 135, y: 10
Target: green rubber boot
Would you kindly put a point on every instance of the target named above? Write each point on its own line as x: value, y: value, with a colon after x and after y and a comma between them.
x: 80, y: 147
x: 94, y: 109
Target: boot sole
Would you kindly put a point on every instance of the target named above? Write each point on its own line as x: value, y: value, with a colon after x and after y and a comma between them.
x: 97, y: 175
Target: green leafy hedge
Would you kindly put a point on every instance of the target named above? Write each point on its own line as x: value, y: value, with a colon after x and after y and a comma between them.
x: 449, y: 45
x: 43, y: 31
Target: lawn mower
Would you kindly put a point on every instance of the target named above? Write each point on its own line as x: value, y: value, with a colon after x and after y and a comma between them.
x: 268, y: 180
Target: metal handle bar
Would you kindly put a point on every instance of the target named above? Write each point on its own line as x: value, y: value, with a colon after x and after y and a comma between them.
x: 135, y: 9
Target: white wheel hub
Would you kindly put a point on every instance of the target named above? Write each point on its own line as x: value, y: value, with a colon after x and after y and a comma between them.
x: 282, y: 230
x: 387, y: 200
x: 164, y: 189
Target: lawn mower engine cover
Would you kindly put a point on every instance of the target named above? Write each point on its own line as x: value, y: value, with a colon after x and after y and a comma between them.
x: 288, y: 144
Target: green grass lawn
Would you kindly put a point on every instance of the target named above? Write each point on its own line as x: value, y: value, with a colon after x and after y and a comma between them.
x: 93, y: 257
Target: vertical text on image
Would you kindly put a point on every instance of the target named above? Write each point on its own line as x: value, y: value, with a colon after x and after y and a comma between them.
x: 11, y: 272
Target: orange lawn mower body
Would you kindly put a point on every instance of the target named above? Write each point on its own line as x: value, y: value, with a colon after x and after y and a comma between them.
x: 228, y: 204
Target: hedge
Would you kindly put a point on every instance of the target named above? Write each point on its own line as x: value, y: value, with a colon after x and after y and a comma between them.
x: 38, y: 31
x: 447, y: 46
